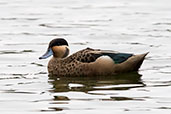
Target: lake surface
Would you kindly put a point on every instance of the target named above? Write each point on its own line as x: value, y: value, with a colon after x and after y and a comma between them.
x: 134, y: 26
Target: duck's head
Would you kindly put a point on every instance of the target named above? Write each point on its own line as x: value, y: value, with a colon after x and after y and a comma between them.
x: 58, y: 48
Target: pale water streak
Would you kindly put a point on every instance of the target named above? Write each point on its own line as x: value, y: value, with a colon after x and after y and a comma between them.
x: 136, y: 26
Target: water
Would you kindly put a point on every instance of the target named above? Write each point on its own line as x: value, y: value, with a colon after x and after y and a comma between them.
x: 135, y: 26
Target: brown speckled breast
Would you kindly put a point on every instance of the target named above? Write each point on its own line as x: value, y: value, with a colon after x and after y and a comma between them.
x: 74, y: 65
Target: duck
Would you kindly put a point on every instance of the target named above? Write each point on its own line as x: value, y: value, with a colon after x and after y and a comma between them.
x: 88, y: 61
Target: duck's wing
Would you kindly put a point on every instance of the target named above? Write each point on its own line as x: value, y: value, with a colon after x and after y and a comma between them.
x: 90, y: 55
x: 117, y: 57
x: 86, y: 55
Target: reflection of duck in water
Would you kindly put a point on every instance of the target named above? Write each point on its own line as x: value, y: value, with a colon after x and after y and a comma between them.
x: 61, y: 84
x: 89, y: 62
x: 93, y: 86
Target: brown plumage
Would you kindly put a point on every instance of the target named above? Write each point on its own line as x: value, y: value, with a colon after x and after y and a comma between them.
x: 89, y: 62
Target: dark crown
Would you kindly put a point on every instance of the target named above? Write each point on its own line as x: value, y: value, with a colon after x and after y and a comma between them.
x: 58, y: 42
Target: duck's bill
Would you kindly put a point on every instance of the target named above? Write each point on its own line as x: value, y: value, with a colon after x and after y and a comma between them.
x: 47, y: 54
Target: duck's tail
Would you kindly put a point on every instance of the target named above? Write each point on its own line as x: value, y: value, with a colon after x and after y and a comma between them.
x: 132, y: 64
x: 139, y: 60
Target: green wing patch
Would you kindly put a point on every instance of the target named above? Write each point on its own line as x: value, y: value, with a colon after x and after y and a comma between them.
x: 118, y: 57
